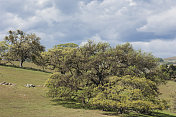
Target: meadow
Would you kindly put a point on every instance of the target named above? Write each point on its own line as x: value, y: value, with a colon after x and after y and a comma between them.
x: 20, y: 101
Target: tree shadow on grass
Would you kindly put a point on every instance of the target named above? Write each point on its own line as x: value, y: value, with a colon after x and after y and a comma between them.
x: 159, y: 114
x: 153, y: 114
x: 72, y: 104
x: 75, y: 105
x: 27, y: 68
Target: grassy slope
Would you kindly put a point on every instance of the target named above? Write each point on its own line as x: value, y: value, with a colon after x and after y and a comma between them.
x: 19, y: 101
x: 27, y: 65
x: 168, y: 91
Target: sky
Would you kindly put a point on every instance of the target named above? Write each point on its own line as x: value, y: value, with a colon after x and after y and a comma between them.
x: 149, y: 25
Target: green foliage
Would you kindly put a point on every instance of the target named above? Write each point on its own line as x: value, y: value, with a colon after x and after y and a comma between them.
x: 58, y: 58
x: 128, y: 93
x: 59, y: 86
x: 41, y: 60
x: 22, y: 46
x: 3, y: 49
x: 160, y: 60
x: 119, y: 79
x: 71, y: 45
x: 169, y: 70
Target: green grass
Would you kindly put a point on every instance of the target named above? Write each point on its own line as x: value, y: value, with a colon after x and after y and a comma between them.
x: 22, y: 76
x: 168, y: 89
x: 20, y: 101
x: 26, y: 65
x: 167, y: 93
x: 17, y: 63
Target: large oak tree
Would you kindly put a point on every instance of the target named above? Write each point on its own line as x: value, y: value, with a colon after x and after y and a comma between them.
x: 113, y: 78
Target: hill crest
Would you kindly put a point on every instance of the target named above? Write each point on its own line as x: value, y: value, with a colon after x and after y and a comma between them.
x: 170, y: 58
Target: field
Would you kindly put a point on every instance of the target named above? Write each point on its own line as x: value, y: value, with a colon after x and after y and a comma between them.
x: 20, y: 101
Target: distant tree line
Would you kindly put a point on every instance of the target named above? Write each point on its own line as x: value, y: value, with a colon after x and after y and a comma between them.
x: 119, y: 78
x: 169, y: 70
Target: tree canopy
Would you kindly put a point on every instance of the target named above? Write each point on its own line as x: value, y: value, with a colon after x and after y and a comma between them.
x: 22, y: 46
x: 113, y: 78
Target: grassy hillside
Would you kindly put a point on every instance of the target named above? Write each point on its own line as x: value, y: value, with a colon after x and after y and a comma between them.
x: 20, y: 101
x: 21, y: 76
x: 168, y: 91
x: 171, y: 58
x: 26, y: 65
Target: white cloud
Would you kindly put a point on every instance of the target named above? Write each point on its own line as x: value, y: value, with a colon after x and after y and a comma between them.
x: 96, y: 38
x: 50, y: 15
x: 132, y: 3
x: 158, y: 47
x: 41, y: 2
x: 161, y: 23
x: 109, y: 18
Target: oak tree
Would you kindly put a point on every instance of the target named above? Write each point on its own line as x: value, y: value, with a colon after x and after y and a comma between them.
x: 22, y: 46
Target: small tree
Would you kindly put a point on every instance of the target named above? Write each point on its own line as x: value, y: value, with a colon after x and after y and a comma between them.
x: 22, y: 46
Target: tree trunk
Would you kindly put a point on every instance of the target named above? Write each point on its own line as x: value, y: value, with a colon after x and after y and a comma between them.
x: 21, y: 63
x: 83, y: 101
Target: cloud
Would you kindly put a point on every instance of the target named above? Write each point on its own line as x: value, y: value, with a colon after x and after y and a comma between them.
x: 162, y: 23
x: 96, y: 38
x: 158, y: 47
x: 113, y: 21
